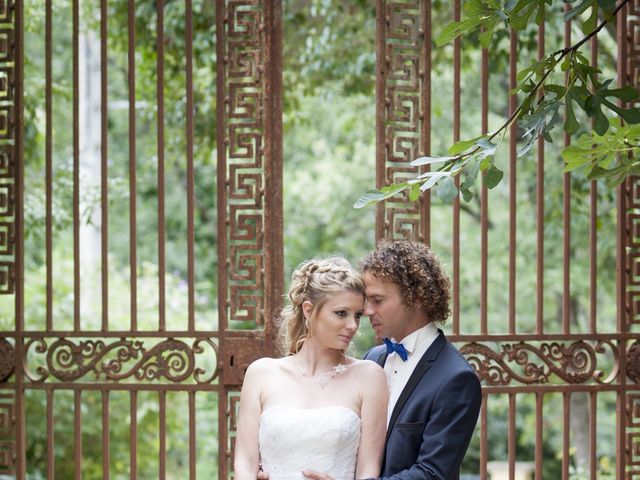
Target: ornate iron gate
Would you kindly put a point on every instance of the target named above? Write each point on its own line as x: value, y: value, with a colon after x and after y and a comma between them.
x: 512, y: 363
x: 248, y: 130
x: 137, y: 361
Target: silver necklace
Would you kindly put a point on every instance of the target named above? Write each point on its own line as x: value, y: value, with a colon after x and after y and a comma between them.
x: 323, y: 378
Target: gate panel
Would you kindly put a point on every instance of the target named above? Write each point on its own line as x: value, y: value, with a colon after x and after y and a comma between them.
x: 118, y: 369
x: 536, y: 354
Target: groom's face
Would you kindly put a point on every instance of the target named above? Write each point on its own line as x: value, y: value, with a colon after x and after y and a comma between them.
x: 388, y: 316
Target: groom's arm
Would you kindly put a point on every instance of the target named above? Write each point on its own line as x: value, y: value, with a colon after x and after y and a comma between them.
x: 448, y: 430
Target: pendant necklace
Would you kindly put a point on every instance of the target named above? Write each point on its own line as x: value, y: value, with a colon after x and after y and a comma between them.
x: 324, y: 378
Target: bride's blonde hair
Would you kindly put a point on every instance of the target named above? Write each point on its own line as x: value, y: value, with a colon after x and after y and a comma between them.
x: 314, y: 280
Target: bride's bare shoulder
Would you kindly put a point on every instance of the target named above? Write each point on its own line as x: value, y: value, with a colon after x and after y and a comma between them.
x: 266, y: 365
x: 366, y: 366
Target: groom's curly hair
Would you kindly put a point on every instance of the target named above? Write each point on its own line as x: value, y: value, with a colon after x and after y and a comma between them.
x: 416, y: 270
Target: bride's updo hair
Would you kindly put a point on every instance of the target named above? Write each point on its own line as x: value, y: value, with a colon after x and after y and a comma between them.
x: 314, y: 281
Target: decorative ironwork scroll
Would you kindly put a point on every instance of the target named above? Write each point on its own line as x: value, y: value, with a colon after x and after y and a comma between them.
x: 243, y: 43
x: 7, y: 432
x: 525, y: 363
x: 7, y: 146
x: 171, y: 360
x: 400, y: 115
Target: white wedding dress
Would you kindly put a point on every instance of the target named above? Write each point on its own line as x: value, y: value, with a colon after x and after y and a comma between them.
x: 324, y: 439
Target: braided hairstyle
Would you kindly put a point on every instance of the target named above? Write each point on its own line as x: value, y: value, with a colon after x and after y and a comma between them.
x: 314, y: 281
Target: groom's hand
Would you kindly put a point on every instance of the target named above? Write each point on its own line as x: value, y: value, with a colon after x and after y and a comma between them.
x: 315, y: 475
x: 262, y: 475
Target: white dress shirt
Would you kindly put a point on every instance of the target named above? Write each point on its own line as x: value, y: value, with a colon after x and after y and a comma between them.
x: 398, y: 372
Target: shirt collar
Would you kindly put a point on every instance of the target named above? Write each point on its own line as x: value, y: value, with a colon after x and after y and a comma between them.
x: 420, y: 336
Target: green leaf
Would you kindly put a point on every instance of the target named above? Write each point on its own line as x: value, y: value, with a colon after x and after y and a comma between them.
x: 463, y: 145
x: 607, y: 5
x: 432, y: 179
x: 454, y: 29
x: 589, y: 25
x: 373, y: 196
x: 492, y: 177
x: 414, y: 193
x: 601, y: 123
x: 577, y: 10
x: 570, y: 124
x: 429, y: 160
x: 626, y: 93
x: 471, y: 173
x: 447, y: 190
x: 467, y: 194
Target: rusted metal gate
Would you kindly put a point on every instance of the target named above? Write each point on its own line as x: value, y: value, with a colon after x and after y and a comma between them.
x: 133, y: 360
x: 52, y: 361
x: 542, y: 362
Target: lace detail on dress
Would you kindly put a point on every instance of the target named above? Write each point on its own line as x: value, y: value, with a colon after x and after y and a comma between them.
x: 325, y: 439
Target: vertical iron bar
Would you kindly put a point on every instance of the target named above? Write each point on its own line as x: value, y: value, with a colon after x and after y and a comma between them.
x: 273, y: 161
x: 192, y: 435
x: 455, y: 327
x: 133, y: 434
x: 593, y: 235
x: 513, y: 104
x: 566, y: 408
x: 484, y: 199
x: 382, y: 66
x: 511, y: 435
x: 104, y: 163
x: 621, y: 244
x: 50, y: 436
x: 162, y: 413
x: 77, y: 434
x: 48, y: 44
x: 76, y: 167
x: 20, y: 460
x: 593, y: 430
x: 539, y: 444
x: 566, y: 209
x: 484, y: 442
x: 189, y: 141
x: 133, y: 261
x: 540, y: 209
x: 425, y: 99
x: 221, y: 107
x: 106, y: 442
x: 161, y: 176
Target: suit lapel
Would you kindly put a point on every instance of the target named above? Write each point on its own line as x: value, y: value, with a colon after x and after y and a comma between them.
x: 422, y: 367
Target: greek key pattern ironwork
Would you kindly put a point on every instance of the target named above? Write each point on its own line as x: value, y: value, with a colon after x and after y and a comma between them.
x: 632, y: 411
x: 402, y: 116
x: 244, y: 45
x: 7, y: 432
x: 633, y: 250
x: 7, y: 146
x: 528, y: 364
x: 170, y: 360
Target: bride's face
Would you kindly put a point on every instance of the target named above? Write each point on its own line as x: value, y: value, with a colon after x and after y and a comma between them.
x: 337, y: 320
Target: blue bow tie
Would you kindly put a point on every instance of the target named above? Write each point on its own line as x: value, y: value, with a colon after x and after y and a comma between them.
x: 396, y: 347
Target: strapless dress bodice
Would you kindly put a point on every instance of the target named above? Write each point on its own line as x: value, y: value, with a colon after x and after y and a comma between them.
x: 325, y: 439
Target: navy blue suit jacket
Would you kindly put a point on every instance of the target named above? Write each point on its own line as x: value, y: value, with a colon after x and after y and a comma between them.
x: 433, y: 421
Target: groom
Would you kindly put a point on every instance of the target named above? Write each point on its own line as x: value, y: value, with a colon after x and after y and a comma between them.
x: 435, y: 395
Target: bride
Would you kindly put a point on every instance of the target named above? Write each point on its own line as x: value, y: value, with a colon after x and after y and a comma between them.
x: 316, y: 408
